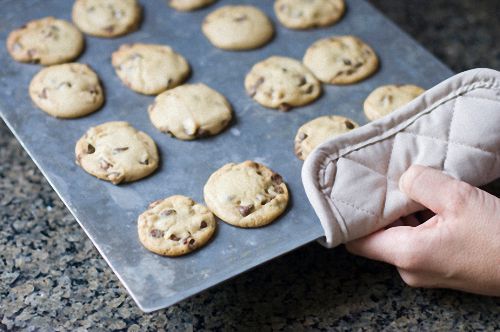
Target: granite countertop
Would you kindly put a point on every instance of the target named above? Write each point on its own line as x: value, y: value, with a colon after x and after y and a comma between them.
x: 52, y: 278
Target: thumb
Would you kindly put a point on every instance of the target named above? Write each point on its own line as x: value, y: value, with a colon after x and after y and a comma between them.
x: 433, y: 188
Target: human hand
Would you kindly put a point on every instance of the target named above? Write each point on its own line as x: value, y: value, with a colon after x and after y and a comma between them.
x: 459, y: 247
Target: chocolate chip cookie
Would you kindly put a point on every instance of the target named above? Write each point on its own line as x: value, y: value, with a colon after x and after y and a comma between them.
x: 341, y: 60
x: 175, y: 226
x: 282, y: 83
x: 47, y: 41
x: 106, y: 18
x: 69, y: 90
x: 116, y: 152
x: 305, y: 14
x: 190, y: 111
x: 149, y: 68
x: 238, y: 28
x: 246, y: 195
x: 319, y: 130
x: 385, y: 99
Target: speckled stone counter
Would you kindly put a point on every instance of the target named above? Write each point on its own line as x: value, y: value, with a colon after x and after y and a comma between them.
x: 52, y: 278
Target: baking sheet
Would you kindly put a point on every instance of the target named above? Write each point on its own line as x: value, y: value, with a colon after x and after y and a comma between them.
x: 108, y: 213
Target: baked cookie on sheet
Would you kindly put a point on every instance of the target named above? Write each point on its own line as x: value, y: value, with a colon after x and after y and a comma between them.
x: 47, y: 41
x: 190, y: 111
x: 341, y: 60
x: 188, y: 5
x: 305, y: 14
x: 116, y: 152
x: 387, y: 98
x: 149, y: 68
x: 318, y: 130
x: 246, y: 194
x: 106, y: 18
x: 69, y: 90
x: 238, y: 27
x: 282, y: 83
x: 175, y: 226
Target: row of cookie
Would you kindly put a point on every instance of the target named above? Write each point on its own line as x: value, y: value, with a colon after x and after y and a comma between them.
x: 187, y: 112
x: 243, y: 27
x: 282, y: 82
x: 233, y: 27
x: 246, y: 195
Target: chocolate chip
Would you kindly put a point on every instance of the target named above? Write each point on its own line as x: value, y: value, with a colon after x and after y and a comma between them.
x: 118, y: 150
x: 144, y: 162
x: 174, y: 238
x: 276, y: 178
x: 66, y: 84
x: 240, y: 18
x: 90, y: 149
x: 104, y: 164
x: 310, y: 89
x: 349, y: 124
x: 203, y: 224
x: 191, y: 243
x: 43, y: 94
x: 166, y: 213
x: 109, y: 28
x: 284, y: 107
x: 200, y: 132
x: 156, y: 233
x: 302, y: 136
x: 94, y: 90
x: 302, y: 81
x: 245, y: 210
x: 347, y: 62
x: 253, y: 89
x: 155, y: 203
x: 358, y: 64
x: 278, y: 189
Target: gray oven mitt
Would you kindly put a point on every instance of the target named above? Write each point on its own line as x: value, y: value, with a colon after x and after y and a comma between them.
x: 352, y: 180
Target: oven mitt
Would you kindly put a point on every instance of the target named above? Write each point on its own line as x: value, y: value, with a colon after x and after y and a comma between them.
x: 352, y: 180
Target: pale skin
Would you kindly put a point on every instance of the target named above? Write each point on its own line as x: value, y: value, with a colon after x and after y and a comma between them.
x: 458, y: 247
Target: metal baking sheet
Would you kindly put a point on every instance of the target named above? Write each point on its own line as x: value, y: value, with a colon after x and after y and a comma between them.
x: 108, y: 213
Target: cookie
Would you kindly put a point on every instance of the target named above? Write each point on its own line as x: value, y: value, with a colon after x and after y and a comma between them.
x: 282, y: 83
x: 319, y: 130
x: 188, y: 5
x: 69, y: 90
x: 106, y: 18
x: 116, y: 152
x: 175, y: 226
x: 246, y: 195
x: 47, y: 41
x: 385, y: 99
x: 341, y: 60
x: 149, y: 68
x: 190, y: 111
x: 238, y: 28
x: 305, y: 14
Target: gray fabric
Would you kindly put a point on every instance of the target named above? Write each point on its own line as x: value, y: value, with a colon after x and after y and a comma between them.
x: 352, y: 180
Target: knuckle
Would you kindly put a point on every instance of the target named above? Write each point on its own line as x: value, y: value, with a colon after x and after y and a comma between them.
x: 460, y: 194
